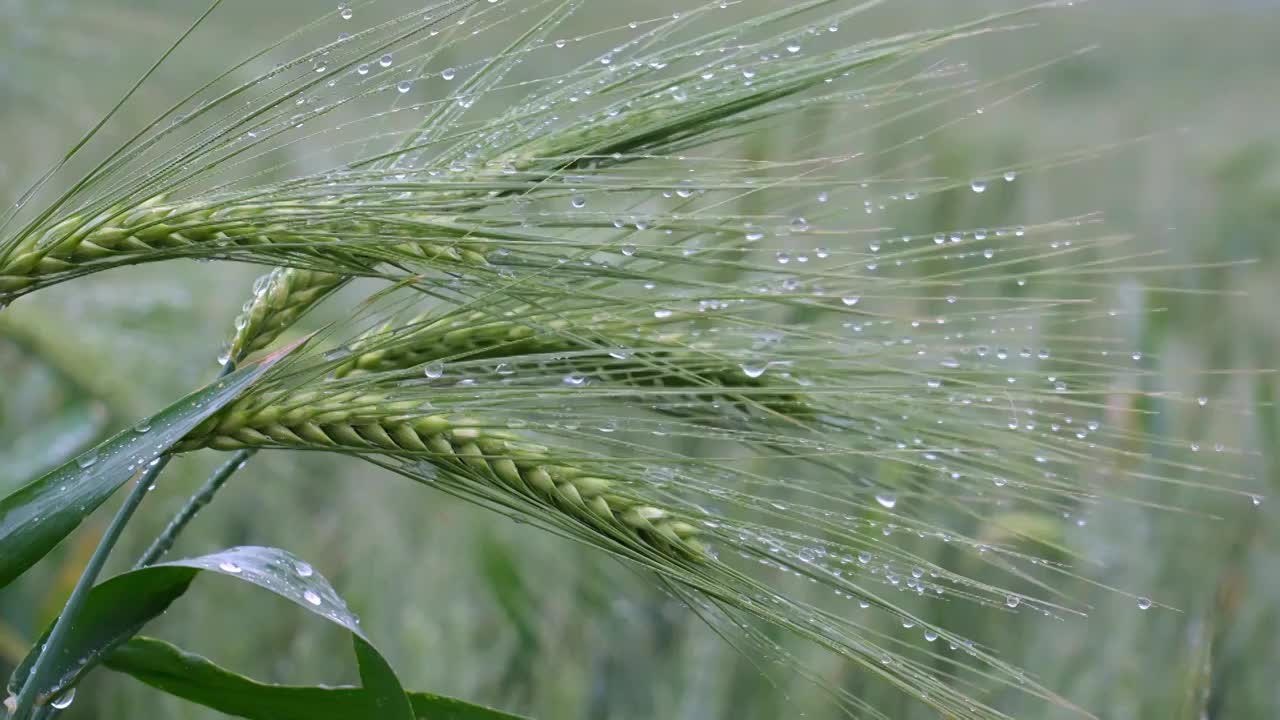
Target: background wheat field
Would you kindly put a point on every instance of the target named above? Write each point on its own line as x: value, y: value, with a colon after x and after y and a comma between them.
x: 1176, y: 103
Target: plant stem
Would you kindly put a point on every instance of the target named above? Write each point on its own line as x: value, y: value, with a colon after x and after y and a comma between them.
x: 194, y: 504
x: 44, y: 662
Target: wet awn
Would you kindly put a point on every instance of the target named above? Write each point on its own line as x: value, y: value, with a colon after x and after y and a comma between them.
x: 605, y: 314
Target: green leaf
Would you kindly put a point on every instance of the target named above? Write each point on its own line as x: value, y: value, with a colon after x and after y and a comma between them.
x: 118, y: 608
x: 37, y: 516
x: 198, y: 680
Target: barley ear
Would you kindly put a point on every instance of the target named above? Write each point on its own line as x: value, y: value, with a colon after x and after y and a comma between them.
x: 279, y: 299
x: 465, y: 448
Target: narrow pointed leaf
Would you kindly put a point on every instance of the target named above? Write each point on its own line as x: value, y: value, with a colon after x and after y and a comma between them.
x: 37, y: 516
x: 198, y: 680
x: 118, y: 608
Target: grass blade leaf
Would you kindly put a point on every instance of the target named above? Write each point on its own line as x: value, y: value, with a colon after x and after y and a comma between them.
x: 121, y: 606
x: 197, y: 679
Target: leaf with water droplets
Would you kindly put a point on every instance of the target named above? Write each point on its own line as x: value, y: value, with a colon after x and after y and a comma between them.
x: 198, y: 680
x: 119, y: 608
x: 37, y: 516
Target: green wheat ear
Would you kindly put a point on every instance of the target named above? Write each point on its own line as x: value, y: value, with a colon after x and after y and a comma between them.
x: 280, y: 298
x: 464, y: 447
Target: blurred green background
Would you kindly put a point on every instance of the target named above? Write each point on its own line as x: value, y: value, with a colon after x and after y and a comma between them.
x: 469, y: 604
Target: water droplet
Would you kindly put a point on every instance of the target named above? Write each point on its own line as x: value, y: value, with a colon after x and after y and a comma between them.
x: 385, y: 60
x: 449, y: 73
x: 1012, y: 601
x: 754, y: 370
x: 63, y: 701
x: 1144, y: 603
x: 887, y: 500
x: 1010, y: 175
x: 434, y: 369
x: 793, y: 46
x: 311, y: 597
x: 574, y: 379
x: 978, y: 185
x: 1202, y: 401
x: 662, y: 314
x: 304, y: 569
x: 230, y: 567
x: 753, y: 233
x: 1256, y: 500
x: 850, y: 300
x: 578, y: 201
x: 362, y: 69
x: 799, y: 224
x: 930, y: 635
x: 403, y: 86
x: 345, y: 12
x: 629, y: 250
x: 87, y: 460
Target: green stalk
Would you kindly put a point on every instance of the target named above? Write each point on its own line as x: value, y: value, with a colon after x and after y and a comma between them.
x: 194, y: 504
x: 40, y: 671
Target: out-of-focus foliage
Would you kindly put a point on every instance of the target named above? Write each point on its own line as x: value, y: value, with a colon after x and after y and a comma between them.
x: 540, y: 623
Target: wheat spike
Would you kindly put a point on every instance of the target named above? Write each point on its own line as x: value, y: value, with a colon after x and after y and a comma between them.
x: 464, y: 447
x: 156, y: 229
x: 279, y: 299
x: 604, y: 350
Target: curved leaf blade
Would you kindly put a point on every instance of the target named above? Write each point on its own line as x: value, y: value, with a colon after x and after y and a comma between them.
x: 37, y: 516
x: 198, y: 680
x: 118, y: 608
